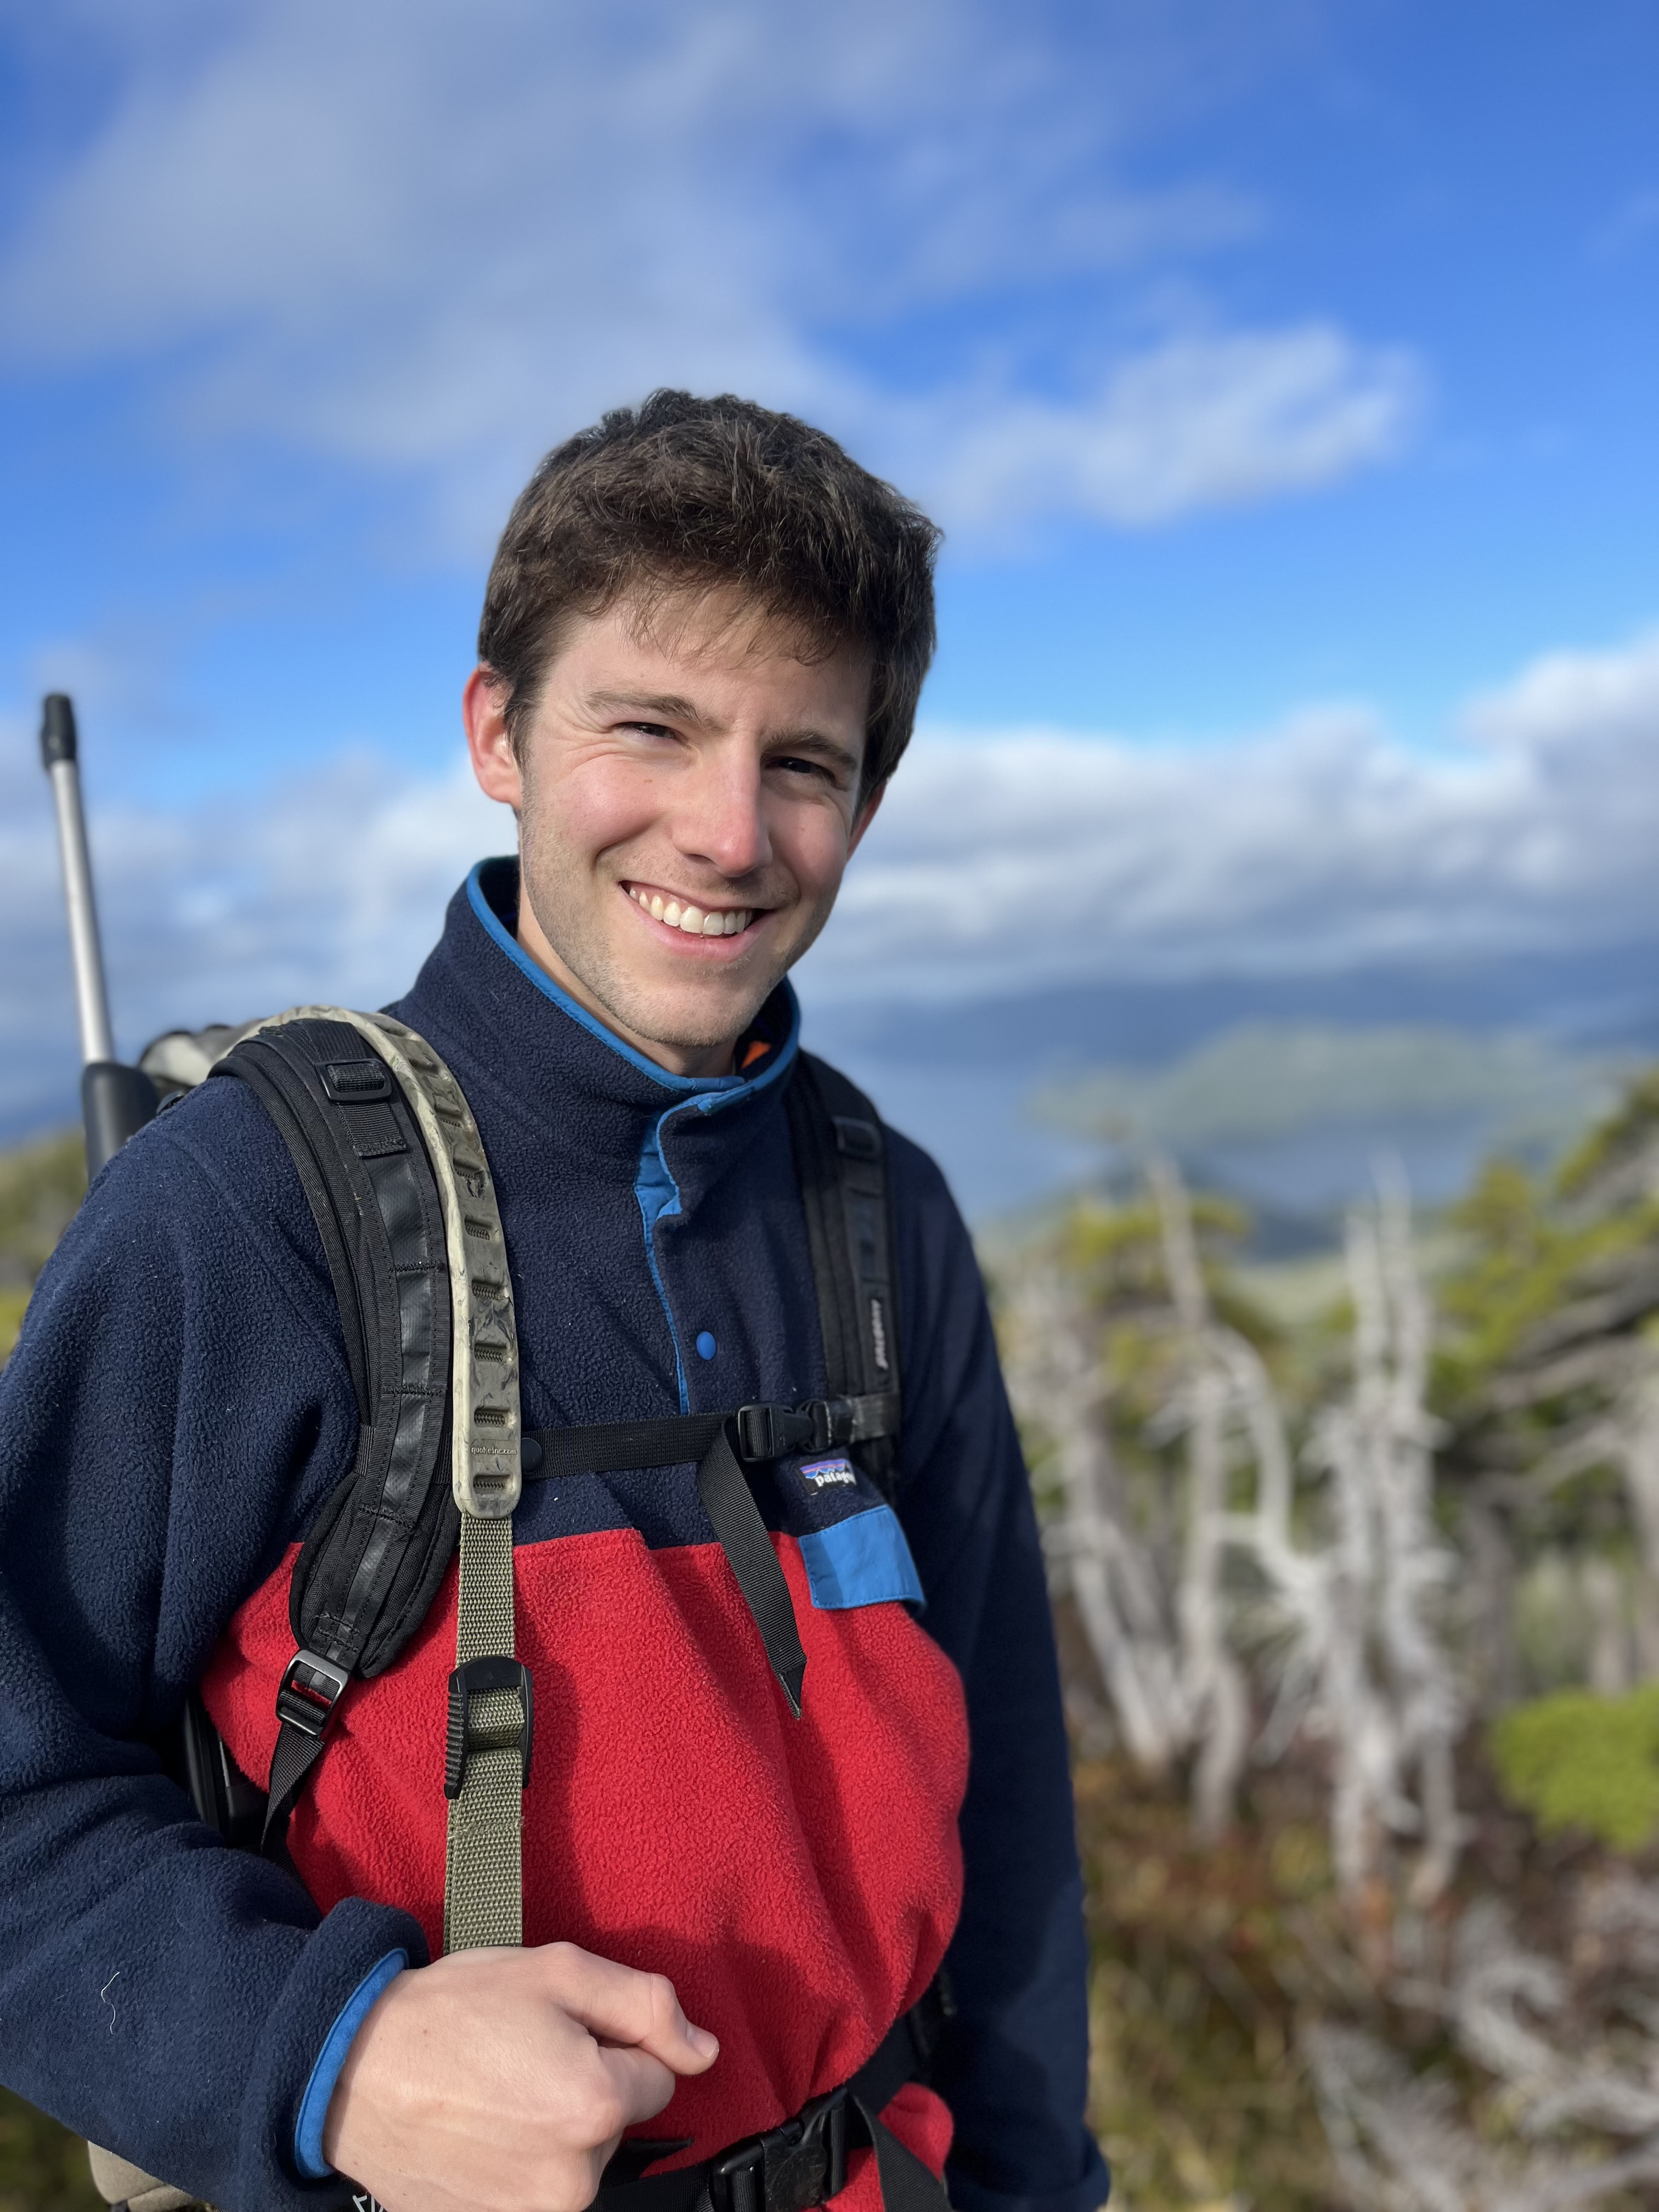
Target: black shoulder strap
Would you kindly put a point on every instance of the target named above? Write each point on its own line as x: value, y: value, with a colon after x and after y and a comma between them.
x: 372, y: 1564
x: 840, y: 1159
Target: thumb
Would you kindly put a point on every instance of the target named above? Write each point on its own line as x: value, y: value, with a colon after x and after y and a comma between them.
x: 619, y: 2006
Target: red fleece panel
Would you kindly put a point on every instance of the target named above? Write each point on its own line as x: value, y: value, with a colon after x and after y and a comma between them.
x: 798, y: 1880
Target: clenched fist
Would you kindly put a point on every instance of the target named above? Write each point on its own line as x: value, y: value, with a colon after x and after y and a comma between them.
x: 497, y: 2081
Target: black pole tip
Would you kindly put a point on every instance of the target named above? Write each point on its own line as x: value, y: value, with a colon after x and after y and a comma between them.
x: 57, y: 738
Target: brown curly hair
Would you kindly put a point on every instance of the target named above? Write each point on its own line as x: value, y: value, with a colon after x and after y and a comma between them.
x: 684, y: 493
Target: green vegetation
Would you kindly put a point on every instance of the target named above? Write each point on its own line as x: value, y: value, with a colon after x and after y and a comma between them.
x: 43, y: 2168
x: 1578, y: 1761
x: 40, y: 1186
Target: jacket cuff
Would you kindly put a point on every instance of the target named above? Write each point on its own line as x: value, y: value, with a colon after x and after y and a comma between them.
x: 1089, y: 2191
x: 354, y: 1942
x: 319, y: 2089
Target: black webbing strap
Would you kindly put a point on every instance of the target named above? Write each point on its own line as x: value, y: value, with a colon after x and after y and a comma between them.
x: 368, y: 1571
x: 801, y: 2163
x: 736, y: 1520
x: 761, y: 1433
x: 841, y: 1160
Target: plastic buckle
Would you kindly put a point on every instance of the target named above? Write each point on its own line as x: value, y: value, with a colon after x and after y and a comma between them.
x: 790, y: 2168
x: 475, y: 1679
x: 356, y: 1082
x: 309, y: 1691
x: 768, y: 1432
x: 832, y: 1422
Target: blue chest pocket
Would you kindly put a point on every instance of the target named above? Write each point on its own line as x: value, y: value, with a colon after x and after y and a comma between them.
x: 856, y: 1554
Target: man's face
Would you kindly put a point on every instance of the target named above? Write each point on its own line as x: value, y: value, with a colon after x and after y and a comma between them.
x: 686, y: 793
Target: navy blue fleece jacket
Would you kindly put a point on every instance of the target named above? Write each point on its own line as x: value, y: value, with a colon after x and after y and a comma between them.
x: 177, y: 1411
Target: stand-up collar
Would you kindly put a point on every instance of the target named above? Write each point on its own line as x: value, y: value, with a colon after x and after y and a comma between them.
x: 503, y: 1021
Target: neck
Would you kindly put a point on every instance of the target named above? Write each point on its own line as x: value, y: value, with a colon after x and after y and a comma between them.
x: 676, y: 1060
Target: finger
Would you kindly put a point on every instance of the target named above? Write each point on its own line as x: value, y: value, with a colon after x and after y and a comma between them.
x: 642, y: 2083
x: 622, y: 2006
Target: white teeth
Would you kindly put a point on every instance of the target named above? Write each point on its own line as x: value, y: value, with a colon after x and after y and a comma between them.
x: 719, y: 921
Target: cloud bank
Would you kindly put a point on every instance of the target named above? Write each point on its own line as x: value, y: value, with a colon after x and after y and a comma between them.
x: 421, y: 241
x: 998, y: 863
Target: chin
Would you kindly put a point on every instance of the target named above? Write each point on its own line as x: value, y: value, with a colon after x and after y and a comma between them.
x: 699, y: 1032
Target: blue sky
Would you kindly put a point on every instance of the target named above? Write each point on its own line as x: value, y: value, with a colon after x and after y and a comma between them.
x: 1284, y: 377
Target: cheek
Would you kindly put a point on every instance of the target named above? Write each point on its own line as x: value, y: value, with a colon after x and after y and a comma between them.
x: 815, y: 846
x: 592, y: 807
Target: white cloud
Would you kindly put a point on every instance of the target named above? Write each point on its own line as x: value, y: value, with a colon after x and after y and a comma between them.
x: 1207, y: 421
x: 427, y: 239
x: 1321, y: 844
x: 332, y: 884
x: 998, y: 862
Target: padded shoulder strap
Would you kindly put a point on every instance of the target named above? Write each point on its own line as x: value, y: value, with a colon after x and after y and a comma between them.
x: 374, y: 1558
x: 840, y: 1158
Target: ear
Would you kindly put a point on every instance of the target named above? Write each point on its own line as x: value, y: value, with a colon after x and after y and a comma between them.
x: 866, y: 815
x: 483, y: 704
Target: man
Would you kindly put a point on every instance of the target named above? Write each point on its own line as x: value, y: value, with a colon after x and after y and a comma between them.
x: 703, y: 642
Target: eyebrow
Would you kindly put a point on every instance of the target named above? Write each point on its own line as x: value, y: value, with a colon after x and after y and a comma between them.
x: 671, y: 706
x: 674, y: 706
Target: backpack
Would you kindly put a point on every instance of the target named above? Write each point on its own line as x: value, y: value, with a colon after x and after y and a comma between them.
x: 394, y: 1172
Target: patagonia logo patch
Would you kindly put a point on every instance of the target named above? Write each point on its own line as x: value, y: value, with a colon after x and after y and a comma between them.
x: 822, y: 1474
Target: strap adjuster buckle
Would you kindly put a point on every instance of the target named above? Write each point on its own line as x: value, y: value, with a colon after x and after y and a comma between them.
x: 767, y: 1432
x: 308, y: 1693
x: 475, y: 1679
x: 790, y: 2168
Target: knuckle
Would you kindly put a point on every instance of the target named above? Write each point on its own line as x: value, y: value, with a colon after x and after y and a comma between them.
x: 662, y: 2002
x: 604, y: 2116
x: 568, y: 2181
x: 572, y: 2188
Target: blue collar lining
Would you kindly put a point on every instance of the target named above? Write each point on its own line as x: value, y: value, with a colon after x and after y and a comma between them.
x: 708, y: 1091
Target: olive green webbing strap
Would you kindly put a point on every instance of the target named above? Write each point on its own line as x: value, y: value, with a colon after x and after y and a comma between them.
x: 484, y: 1883
x: 489, y: 1729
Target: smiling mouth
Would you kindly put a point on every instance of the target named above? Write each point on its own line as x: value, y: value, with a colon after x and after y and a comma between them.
x: 686, y: 916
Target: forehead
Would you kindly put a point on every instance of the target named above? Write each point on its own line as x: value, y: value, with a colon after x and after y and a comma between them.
x: 719, y: 644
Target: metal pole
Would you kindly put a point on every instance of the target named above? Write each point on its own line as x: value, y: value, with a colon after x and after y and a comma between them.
x: 116, y: 1101
x: 59, y: 757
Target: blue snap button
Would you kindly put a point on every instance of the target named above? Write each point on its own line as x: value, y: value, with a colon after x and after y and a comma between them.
x: 707, y: 1346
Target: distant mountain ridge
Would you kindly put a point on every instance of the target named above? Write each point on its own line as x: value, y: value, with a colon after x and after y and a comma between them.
x: 1606, y: 998
x: 1444, y: 1062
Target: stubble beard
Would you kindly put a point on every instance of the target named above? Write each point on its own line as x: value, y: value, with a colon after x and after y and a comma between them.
x: 689, y: 1020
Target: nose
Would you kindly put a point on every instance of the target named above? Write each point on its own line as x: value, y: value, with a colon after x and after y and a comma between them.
x: 720, y: 820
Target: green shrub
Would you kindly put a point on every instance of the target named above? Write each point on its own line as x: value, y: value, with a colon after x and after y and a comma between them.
x: 1575, y: 1760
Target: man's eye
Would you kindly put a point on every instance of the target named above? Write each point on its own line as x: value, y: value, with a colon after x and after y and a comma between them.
x: 652, y: 729
x: 799, y: 767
